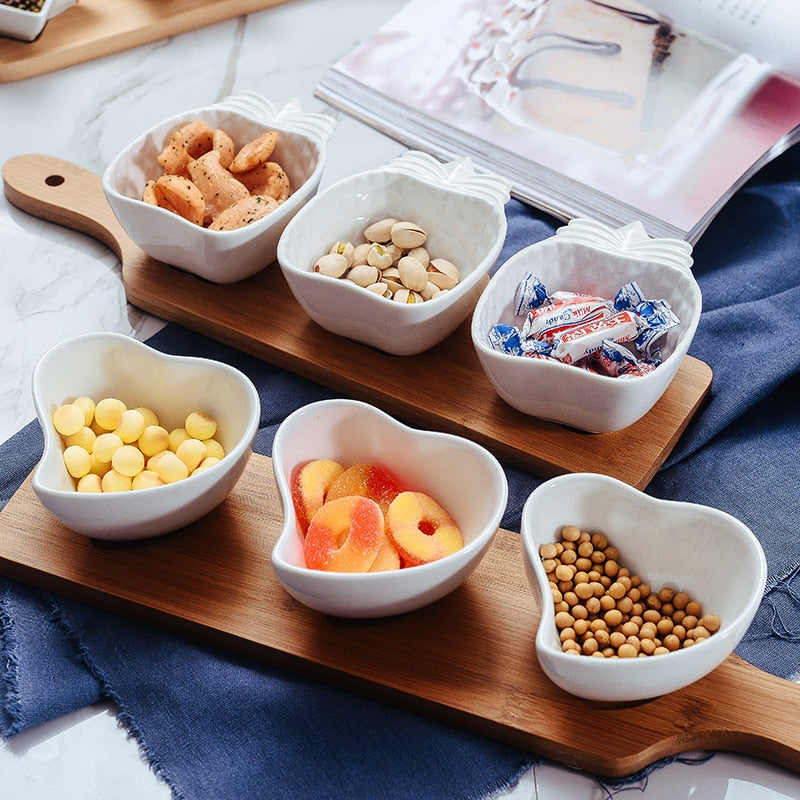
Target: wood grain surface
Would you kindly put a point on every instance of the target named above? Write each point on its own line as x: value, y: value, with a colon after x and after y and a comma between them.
x: 94, y: 28
x: 442, y: 389
x: 468, y: 660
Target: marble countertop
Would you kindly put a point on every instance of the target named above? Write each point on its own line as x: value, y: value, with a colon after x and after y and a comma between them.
x: 58, y: 283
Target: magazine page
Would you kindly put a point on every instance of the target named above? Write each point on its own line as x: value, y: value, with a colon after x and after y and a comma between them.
x: 767, y: 29
x: 589, y: 108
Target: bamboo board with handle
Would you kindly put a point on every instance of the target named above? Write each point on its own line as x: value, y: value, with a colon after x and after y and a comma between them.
x: 94, y: 28
x: 468, y: 660
x: 442, y: 389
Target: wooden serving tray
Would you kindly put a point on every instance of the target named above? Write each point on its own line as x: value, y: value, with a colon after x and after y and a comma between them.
x: 468, y: 660
x: 443, y: 389
x: 94, y: 28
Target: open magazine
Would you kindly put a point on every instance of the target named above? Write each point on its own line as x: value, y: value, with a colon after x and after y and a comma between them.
x: 607, y: 110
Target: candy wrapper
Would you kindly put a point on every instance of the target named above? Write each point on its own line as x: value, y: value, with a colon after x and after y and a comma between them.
x: 620, y: 337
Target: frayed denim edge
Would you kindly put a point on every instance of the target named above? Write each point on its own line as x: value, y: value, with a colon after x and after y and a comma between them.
x: 124, y: 717
x: 11, y: 718
x: 503, y: 784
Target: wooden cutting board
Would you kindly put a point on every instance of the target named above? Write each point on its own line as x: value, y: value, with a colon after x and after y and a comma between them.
x: 443, y: 389
x: 468, y: 660
x: 94, y: 28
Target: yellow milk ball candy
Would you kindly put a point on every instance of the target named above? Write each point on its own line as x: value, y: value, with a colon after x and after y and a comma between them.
x: 153, y: 440
x: 150, y: 416
x: 107, y: 412
x: 68, y: 419
x: 127, y: 460
x: 90, y: 483
x: 84, y: 438
x: 99, y: 467
x: 176, y: 436
x: 214, y: 448
x: 86, y: 404
x: 77, y: 460
x: 169, y: 467
x: 146, y: 479
x: 113, y: 481
x: 130, y: 425
x: 206, y: 463
x: 191, y: 452
x: 200, y: 425
x: 105, y: 445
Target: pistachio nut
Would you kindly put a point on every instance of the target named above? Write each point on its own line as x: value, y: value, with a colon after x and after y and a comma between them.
x: 378, y: 256
x: 380, y: 288
x: 408, y: 235
x: 380, y: 231
x: 333, y: 265
x: 363, y: 275
x: 421, y: 254
x: 443, y: 273
x: 344, y: 248
x: 412, y: 273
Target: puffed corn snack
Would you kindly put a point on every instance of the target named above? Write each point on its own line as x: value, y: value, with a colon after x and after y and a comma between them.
x: 211, y: 184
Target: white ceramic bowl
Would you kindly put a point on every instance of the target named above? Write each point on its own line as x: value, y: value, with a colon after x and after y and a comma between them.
x: 704, y: 551
x: 463, y: 214
x: 219, y: 256
x: 586, y: 256
x: 351, y: 432
x: 27, y: 25
x: 112, y: 365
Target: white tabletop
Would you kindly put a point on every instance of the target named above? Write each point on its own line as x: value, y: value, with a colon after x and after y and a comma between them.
x: 57, y: 284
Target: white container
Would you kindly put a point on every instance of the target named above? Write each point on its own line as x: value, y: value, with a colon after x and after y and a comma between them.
x: 101, y: 365
x: 352, y: 432
x: 219, y: 256
x: 694, y: 548
x: 587, y: 256
x: 463, y: 214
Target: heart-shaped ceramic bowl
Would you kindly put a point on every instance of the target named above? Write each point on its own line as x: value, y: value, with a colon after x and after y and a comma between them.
x: 101, y: 365
x: 589, y: 257
x: 463, y: 214
x: 462, y: 476
x: 709, y: 554
x: 219, y: 256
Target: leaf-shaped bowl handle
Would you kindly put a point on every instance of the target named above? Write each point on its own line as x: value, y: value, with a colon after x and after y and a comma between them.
x: 631, y: 239
x: 459, y: 175
x: 291, y: 116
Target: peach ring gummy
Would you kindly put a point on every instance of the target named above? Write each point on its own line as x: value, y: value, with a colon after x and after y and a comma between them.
x: 344, y: 535
x: 367, y: 480
x: 422, y: 531
x: 310, y: 485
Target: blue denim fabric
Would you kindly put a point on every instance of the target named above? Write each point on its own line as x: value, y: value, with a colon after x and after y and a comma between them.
x: 217, y: 726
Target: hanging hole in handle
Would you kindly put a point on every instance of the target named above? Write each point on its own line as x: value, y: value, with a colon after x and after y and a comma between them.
x: 54, y: 180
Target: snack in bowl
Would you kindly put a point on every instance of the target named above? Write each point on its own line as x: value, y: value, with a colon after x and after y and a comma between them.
x: 391, y: 261
x: 108, y: 367
x: 349, y: 432
x: 675, y: 546
x: 592, y: 259
x: 110, y: 447
x: 174, y: 224
x: 462, y: 214
x: 350, y: 517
